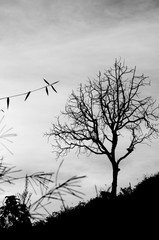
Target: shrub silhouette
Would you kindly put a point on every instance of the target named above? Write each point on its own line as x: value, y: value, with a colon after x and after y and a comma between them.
x: 14, y: 214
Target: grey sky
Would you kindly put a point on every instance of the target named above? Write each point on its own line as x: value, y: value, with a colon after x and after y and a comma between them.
x: 71, y: 41
x: 26, y: 19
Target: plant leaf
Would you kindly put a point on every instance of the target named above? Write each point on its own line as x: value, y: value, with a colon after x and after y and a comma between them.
x: 55, y: 82
x: 27, y: 96
x: 54, y: 89
x: 47, y: 90
x: 8, y: 101
x: 46, y: 81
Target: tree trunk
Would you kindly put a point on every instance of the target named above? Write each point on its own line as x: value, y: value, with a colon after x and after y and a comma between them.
x: 115, y: 179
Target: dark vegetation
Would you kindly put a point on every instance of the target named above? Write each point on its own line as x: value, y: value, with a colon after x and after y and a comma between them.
x: 133, y: 211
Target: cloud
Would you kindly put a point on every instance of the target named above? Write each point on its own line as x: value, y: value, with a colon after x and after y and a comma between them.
x: 71, y: 19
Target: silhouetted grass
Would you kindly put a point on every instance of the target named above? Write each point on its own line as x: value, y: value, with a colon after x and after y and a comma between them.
x: 133, y: 212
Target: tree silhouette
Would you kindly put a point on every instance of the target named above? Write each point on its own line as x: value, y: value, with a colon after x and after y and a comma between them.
x: 104, y: 110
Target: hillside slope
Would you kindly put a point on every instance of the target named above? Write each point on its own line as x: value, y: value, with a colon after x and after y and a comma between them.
x: 132, y: 212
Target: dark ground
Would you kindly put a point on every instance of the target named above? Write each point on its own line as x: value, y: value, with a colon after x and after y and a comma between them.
x: 132, y: 214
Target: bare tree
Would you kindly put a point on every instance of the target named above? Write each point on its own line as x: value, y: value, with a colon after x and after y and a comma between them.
x: 103, y: 110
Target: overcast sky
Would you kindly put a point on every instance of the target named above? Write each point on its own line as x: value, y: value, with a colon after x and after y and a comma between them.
x: 69, y: 41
